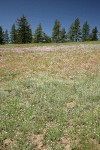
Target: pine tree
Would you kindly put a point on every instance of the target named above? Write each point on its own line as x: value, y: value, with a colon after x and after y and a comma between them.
x: 38, y: 35
x: 1, y: 35
x: 75, y: 31
x: 46, y: 38
x: 71, y: 33
x: 6, y: 37
x: 63, y: 35
x: 98, y: 36
x: 13, y: 34
x: 85, y: 32
x: 56, y: 32
x: 24, y: 33
x: 94, y: 34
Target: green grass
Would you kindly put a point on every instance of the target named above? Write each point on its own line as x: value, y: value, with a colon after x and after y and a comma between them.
x: 50, y: 100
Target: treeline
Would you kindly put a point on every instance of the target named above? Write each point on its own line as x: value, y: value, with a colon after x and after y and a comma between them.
x: 21, y: 33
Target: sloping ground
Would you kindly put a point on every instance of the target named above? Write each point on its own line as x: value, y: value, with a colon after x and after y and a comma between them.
x: 50, y: 97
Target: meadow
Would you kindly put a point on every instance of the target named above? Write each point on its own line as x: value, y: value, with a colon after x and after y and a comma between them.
x: 50, y: 96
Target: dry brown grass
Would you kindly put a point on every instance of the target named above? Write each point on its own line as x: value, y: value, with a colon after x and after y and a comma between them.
x: 64, y: 61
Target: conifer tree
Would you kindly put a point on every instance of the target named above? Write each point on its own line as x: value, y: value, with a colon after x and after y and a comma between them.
x: 46, y: 38
x: 85, y: 32
x: 1, y: 35
x: 56, y: 31
x: 38, y: 35
x: 71, y: 33
x: 63, y: 35
x: 13, y: 34
x: 98, y: 36
x: 94, y: 34
x: 6, y: 37
x: 24, y: 33
x: 75, y: 31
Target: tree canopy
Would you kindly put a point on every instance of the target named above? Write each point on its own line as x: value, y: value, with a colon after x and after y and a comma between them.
x: 75, y: 31
x: 23, y: 32
x: 56, y: 31
x: 85, y: 32
x: 1, y: 35
x: 38, y: 35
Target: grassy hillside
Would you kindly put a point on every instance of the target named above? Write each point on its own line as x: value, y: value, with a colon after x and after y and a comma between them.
x: 50, y: 97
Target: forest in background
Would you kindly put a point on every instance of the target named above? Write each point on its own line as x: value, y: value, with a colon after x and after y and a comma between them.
x: 21, y: 33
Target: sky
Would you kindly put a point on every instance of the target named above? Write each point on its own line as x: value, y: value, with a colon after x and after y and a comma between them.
x: 46, y: 11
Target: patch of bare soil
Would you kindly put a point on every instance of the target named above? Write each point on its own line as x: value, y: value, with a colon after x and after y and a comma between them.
x: 65, y: 142
x: 71, y: 105
x: 94, y: 145
x: 37, y: 140
x: 8, y: 143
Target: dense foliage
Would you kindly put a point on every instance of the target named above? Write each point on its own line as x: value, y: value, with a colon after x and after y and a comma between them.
x: 13, y: 35
x: 85, y: 32
x: 38, y: 35
x: 56, y: 31
x: 1, y: 35
x: 6, y: 37
x: 22, y: 33
x: 75, y: 31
